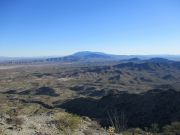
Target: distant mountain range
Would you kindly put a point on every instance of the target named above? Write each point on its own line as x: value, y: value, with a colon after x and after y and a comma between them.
x: 86, y: 56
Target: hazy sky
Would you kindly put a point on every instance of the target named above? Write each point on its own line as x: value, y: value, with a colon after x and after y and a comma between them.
x: 60, y: 27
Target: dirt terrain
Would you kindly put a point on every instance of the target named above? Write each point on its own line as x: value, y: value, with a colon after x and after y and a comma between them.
x: 32, y: 95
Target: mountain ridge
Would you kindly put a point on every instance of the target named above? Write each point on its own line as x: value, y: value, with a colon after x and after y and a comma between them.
x: 87, y: 56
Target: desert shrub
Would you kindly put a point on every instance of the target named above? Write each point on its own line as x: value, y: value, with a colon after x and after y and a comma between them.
x: 15, y: 121
x: 111, y: 131
x: 173, y: 129
x: 67, y: 123
x: 1, y: 131
x: 135, y: 131
x: 87, y: 132
x: 154, y: 128
x: 95, y: 125
x: 117, y: 120
x: 12, y: 112
x: 40, y: 133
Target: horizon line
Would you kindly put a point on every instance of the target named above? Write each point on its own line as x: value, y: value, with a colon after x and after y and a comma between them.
x: 41, y: 56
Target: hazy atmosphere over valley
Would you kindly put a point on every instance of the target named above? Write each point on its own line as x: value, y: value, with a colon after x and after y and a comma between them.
x: 89, y: 67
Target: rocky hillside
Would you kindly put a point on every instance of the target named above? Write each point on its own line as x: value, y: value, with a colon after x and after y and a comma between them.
x: 139, y: 110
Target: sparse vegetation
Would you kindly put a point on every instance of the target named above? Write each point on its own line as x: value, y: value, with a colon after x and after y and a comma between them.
x: 92, y: 90
x: 67, y: 123
x: 87, y: 132
x: 15, y: 121
x: 118, y: 122
x: 173, y: 129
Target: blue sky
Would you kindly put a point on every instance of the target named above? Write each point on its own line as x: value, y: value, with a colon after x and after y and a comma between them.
x: 60, y: 27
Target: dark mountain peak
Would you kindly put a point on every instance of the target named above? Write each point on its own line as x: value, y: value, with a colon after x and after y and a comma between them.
x: 82, y: 53
x: 158, y: 60
x: 152, y: 64
x: 138, y: 66
x: 89, y: 54
x: 134, y: 59
x: 85, y: 56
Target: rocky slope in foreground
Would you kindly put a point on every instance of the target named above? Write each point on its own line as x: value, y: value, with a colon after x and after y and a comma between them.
x: 134, y: 110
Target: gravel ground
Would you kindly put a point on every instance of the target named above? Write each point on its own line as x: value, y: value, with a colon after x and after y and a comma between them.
x: 40, y: 125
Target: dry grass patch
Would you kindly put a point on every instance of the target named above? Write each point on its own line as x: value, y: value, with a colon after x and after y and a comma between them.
x: 67, y: 123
